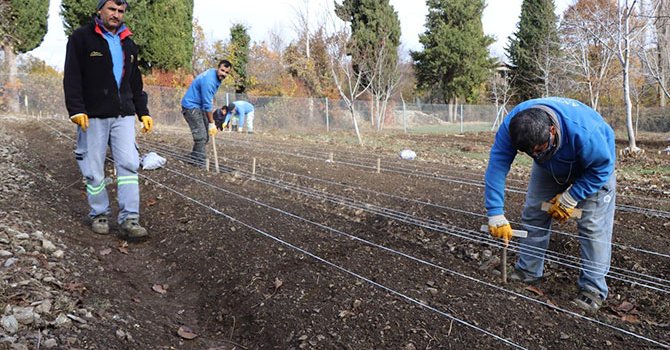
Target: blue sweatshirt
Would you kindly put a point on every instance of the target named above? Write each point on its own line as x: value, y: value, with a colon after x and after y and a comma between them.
x: 200, y: 94
x: 242, y: 108
x: 585, y: 157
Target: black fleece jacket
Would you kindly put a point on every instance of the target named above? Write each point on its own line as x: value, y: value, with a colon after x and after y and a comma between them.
x: 89, y: 83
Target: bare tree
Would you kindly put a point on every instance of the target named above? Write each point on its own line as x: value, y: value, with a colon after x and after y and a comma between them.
x: 588, y: 62
x: 656, y: 55
x: 623, y: 33
x: 383, y: 85
x: 500, y: 87
x: 348, y: 82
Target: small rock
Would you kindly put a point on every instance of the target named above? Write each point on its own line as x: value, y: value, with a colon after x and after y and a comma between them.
x: 432, y: 291
x: 5, y: 254
x: 62, y: 321
x: 9, y: 262
x: 44, y: 307
x: 490, y: 264
x: 38, y: 235
x: 24, y: 315
x: 409, y: 346
x: 48, y: 246
x: 58, y: 254
x: 22, y: 236
x: 120, y: 334
x: 18, y: 346
x: 10, y: 324
x: 50, y: 343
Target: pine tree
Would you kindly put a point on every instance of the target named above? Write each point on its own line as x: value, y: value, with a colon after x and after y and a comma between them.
x: 455, y: 60
x: 23, y: 27
x: 239, y: 55
x: 373, y: 47
x: 76, y: 13
x: 374, y: 25
x: 162, y: 29
x: 535, y: 39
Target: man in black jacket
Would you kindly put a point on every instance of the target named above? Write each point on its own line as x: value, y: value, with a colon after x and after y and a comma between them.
x: 103, y: 93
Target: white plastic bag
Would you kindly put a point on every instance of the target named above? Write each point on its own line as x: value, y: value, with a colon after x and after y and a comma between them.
x: 407, y: 154
x: 151, y: 161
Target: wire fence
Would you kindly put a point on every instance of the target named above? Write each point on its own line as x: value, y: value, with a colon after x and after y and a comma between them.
x: 36, y: 94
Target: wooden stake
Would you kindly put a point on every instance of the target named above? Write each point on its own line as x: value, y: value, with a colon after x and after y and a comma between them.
x: 253, y: 168
x: 379, y: 165
x: 216, y: 157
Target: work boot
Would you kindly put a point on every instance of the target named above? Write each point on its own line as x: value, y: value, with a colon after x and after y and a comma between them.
x: 522, y: 276
x: 100, y: 224
x: 131, y: 230
x: 588, y: 301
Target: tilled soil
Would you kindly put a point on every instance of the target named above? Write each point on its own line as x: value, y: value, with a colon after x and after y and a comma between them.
x: 309, y: 252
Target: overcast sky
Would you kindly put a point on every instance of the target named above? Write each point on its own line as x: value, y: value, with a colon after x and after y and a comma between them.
x: 263, y: 16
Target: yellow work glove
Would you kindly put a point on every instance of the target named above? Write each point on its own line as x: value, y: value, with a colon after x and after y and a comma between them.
x: 212, y: 129
x: 499, y: 227
x: 562, y: 207
x: 147, y: 123
x: 80, y: 119
x: 224, y: 125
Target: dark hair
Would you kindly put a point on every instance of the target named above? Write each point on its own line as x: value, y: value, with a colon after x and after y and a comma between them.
x: 529, y: 128
x: 227, y: 108
x: 225, y: 63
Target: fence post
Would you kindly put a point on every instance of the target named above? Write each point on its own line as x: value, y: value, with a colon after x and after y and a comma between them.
x: 227, y: 99
x: 404, y: 116
x: 327, y: 120
x: 461, y: 118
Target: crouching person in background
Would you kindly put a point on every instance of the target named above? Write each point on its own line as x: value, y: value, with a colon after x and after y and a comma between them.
x: 242, y: 110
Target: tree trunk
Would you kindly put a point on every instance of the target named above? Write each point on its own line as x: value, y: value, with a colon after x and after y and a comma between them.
x: 353, y: 118
x: 632, y: 147
x: 12, y: 87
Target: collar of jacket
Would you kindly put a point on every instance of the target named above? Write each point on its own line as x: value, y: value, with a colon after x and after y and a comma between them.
x: 123, y: 32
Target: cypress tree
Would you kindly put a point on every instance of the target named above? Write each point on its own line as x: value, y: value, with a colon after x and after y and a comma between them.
x: 22, y: 28
x: 536, y: 36
x: 239, y: 55
x: 455, y: 61
x: 162, y: 29
x: 374, y: 24
x: 76, y: 13
x: 24, y: 24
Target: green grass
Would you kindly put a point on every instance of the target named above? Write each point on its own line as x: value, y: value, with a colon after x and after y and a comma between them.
x: 450, y: 128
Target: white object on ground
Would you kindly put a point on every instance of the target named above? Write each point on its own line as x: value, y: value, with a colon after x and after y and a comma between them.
x: 407, y: 154
x: 151, y: 161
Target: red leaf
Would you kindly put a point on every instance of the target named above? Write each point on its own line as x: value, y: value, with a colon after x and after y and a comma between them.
x: 535, y: 290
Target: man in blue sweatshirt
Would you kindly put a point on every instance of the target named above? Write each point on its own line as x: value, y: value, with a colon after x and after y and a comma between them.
x: 574, y: 155
x: 197, y: 108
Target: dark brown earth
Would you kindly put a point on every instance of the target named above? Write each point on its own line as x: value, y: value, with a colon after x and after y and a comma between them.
x: 278, y: 261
